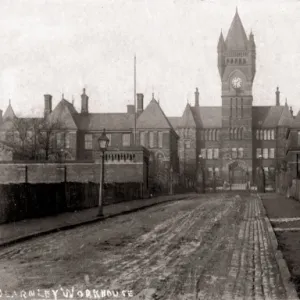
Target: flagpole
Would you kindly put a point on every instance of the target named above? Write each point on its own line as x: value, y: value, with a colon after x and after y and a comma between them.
x: 134, y: 132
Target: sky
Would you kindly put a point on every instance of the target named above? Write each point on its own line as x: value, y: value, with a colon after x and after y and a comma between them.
x: 60, y: 47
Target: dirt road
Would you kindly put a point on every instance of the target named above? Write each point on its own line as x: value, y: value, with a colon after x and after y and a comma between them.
x: 214, y: 247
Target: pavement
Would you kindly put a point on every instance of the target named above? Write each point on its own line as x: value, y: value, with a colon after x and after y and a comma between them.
x: 284, y: 215
x: 11, y: 233
x: 220, y: 246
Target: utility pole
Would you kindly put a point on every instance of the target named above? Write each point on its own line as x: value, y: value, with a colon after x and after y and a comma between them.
x: 134, y: 132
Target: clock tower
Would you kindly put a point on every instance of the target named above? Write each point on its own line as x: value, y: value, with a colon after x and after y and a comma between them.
x: 236, y: 63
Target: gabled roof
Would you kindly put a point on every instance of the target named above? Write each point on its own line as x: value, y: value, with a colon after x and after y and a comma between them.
x: 273, y: 117
x: 64, y: 112
x: 9, y: 113
x: 286, y: 118
x: 187, y: 120
x: 236, y: 37
x: 259, y: 114
x: 296, y: 121
x: 109, y: 121
x: 175, y: 121
x: 208, y: 116
x: 153, y: 117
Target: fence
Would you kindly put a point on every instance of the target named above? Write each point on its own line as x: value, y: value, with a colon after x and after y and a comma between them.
x: 36, y: 189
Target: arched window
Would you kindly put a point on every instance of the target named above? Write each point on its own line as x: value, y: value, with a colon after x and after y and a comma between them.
x: 240, y: 153
x: 235, y: 133
x: 265, y: 134
x: 217, y: 134
x: 210, y: 135
x: 217, y: 172
x: 214, y: 134
x: 261, y: 134
x: 272, y: 134
x: 240, y: 60
x: 257, y: 134
x: 241, y: 133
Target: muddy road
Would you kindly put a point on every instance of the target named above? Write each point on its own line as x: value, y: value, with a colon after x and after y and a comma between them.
x: 213, y: 247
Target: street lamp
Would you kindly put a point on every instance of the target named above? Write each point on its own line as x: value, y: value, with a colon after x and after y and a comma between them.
x: 200, y: 168
x: 260, y: 158
x: 103, y: 144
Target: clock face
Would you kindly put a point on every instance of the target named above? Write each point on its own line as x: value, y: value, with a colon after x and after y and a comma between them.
x: 236, y: 82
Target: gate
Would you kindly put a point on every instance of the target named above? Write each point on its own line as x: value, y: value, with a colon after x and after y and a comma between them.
x: 238, y: 177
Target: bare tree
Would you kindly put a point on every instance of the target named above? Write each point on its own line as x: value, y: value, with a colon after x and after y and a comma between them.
x: 37, y: 138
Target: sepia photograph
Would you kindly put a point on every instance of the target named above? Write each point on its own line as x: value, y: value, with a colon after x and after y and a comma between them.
x: 150, y: 150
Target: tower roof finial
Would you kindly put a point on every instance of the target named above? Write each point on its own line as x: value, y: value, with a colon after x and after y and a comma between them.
x: 9, y: 102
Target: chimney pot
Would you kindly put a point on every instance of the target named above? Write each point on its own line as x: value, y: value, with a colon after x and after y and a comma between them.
x: 197, y: 97
x: 84, y: 102
x: 277, y: 97
x: 140, y: 103
x: 48, y: 104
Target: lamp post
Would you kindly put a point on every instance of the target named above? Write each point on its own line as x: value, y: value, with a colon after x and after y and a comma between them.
x: 262, y: 181
x: 200, y: 168
x: 103, y: 144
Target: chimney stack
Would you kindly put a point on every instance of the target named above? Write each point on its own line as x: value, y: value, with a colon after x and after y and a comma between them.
x: 1, y: 117
x: 196, y: 97
x: 277, y: 97
x: 140, y: 103
x: 84, y: 102
x: 291, y: 110
x: 130, y: 109
x: 48, y: 105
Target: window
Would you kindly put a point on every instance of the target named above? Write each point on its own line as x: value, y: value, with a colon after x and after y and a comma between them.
x: 269, y: 135
x: 217, y: 134
x: 241, y: 133
x: 265, y: 134
x: 210, y: 135
x: 206, y: 135
x: 266, y: 170
x: 203, y: 153
x: 217, y: 172
x: 231, y: 133
x: 261, y: 134
x: 187, y: 144
x: 67, y: 141
x: 265, y: 152
x: 272, y: 153
x: 240, y: 153
x: 258, y: 152
x: 88, y: 141
x: 235, y: 133
x: 142, y: 139
x: 234, y: 153
x: 126, y: 139
x: 209, y: 153
x: 160, y: 139
x: 210, y: 173
x: 272, y: 134
x: 216, y: 153
x: 60, y: 139
x: 109, y: 137
x: 257, y: 134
